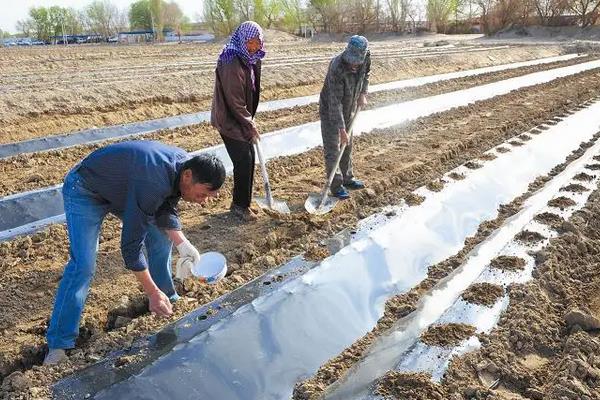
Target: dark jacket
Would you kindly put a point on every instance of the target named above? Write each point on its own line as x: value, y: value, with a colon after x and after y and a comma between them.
x: 139, y: 181
x: 341, y: 90
x: 234, y: 101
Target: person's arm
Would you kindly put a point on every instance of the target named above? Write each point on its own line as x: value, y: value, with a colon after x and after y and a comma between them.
x: 365, y: 83
x: 166, y: 216
x: 362, y: 98
x: 135, y: 228
x: 233, y: 81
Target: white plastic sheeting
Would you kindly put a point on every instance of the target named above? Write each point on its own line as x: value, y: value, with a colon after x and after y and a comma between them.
x: 264, y: 348
x: 400, y: 349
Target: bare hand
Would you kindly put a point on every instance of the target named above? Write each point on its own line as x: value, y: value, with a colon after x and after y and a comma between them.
x: 160, y: 304
x: 343, y: 136
x: 362, y: 100
x: 255, y: 135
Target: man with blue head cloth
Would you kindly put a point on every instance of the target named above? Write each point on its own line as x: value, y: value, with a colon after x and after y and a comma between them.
x: 345, y: 89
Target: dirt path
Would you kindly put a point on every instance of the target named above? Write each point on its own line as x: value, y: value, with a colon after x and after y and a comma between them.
x: 33, y: 171
x: 393, y: 162
x: 61, y: 109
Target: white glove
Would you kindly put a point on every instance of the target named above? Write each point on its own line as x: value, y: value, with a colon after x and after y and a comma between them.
x: 187, y: 250
x: 183, y: 269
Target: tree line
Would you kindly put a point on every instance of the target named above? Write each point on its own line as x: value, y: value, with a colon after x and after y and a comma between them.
x: 446, y: 16
x: 103, y: 18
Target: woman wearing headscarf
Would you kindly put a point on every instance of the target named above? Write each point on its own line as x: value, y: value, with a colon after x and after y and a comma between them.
x: 236, y: 97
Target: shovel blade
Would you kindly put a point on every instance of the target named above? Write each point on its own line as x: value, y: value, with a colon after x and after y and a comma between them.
x: 278, y: 206
x: 314, y: 200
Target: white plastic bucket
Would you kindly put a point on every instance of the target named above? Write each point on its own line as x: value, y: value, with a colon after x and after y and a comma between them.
x: 212, y: 267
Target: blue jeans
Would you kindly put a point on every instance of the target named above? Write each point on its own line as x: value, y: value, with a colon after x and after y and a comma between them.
x: 85, y: 211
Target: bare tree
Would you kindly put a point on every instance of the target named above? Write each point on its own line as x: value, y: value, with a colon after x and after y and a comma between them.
x: 364, y: 13
x: 294, y: 14
x: 329, y: 12
x: 25, y: 27
x: 507, y: 13
x: 548, y: 10
x: 416, y: 12
x: 587, y: 10
x: 438, y: 12
x: 244, y: 8
x: 485, y: 8
x: 102, y: 17
x: 220, y: 15
x: 398, y: 10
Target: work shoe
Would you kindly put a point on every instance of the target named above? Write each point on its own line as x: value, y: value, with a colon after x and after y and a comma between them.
x: 341, y: 193
x: 55, y: 356
x: 244, y: 214
x: 354, y: 184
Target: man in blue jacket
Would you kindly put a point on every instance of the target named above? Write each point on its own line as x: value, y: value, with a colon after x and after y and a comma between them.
x: 141, y: 182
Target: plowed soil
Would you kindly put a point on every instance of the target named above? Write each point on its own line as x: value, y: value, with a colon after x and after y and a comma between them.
x: 33, y: 171
x: 413, y: 155
x: 46, y: 91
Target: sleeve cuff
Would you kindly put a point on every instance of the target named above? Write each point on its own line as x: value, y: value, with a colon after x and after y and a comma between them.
x: 136, y: 264
x: 168, y: 221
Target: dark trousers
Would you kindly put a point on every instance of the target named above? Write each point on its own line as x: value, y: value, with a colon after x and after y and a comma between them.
x: 242, y: 156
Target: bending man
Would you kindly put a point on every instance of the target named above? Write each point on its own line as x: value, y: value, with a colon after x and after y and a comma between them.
x: 141, y: 182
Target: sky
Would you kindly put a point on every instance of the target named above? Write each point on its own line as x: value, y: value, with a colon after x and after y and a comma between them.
x: 11, y: 11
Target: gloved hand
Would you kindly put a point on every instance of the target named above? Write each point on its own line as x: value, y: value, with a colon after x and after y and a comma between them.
x: 183, y: 269
x: 187, y: 250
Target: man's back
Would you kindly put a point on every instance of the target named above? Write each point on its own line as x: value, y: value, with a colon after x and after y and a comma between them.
x: 114, y: 170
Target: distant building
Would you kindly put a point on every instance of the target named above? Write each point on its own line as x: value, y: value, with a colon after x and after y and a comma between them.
x: 132, y: 37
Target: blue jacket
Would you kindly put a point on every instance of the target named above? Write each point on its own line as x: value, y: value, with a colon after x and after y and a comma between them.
x: 140, y: 182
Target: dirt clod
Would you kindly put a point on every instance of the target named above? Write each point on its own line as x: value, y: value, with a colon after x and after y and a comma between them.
x: 575, y: 188
x: 485, y: 294
x: 414, y: 386
x: 456, y: 176
x: 529, y: 237
x: 508, y: 263
x: 552, y: 220
x: 584, y: 320
x: 582, y: 176
x: 473, y: 165
x: 447, y: 335
x: 414, y: 199
x: 435, y: 186
x: 562, y: 202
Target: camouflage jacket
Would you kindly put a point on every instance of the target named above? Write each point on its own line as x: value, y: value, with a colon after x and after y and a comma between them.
x: 341, y: 90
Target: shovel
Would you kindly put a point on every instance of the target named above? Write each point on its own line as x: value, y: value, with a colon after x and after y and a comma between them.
x: 321, y: 203
x: 268, y: 201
